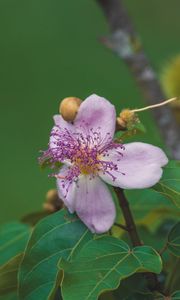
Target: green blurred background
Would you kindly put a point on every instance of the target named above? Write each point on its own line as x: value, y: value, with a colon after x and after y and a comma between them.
x: 50, y: 50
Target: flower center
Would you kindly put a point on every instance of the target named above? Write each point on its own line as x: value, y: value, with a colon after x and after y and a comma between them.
x: 87, y: 161
x: 87, y: 153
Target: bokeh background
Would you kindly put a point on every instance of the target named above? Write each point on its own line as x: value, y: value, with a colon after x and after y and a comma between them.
x: 49, y: 50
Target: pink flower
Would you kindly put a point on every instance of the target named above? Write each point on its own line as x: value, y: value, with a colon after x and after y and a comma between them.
x: 91, y: 158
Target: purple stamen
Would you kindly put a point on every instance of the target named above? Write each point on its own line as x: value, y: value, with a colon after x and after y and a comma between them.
x: 86, y: 153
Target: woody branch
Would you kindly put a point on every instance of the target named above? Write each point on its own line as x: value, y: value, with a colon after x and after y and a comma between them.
x: 124, y: 41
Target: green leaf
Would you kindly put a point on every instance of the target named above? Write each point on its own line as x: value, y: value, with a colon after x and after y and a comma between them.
x: 10, y: 296
x: 8, y: 275
x: 175, y: 295
x: 102, y: 264
x: 140, y: 296
x: 13, y: 239
x: 174, y: 240
x: 138, y: 284
x: 132, y: 130
x: 59, y: 235
x: 158, y: 296
x: 169, y: 185
x: 35, y: 217
x: 173, y: 274
x: 150, y: 207
x: 154, y: 239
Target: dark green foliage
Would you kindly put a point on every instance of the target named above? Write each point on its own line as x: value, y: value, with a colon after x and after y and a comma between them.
x: 8, y: 275
x: 102, y: 264
x: 173, y: 242
x: 63, y: 258
x: 13, y: 239
x: 169, y: 185
x: 57, y: 236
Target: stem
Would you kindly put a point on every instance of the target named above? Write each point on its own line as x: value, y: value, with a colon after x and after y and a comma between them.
x: 171, y: 277
x: 125, y: 42
x: 121, y: 226
x: 161, y: 251
x: 130, y: 224
x: 155, y: 105
x: 151, y: 278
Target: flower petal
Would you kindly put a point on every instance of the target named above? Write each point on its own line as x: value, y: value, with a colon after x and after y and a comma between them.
x: 60, y: 124
x: 94, y: 204
x: 66, y: 191
x: 98, y: 113
x: 139, y: 167
x: 90, y: 198
x: 58, y: 120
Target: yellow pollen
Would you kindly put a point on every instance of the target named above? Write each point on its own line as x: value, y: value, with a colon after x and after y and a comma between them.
x: 86, y: 168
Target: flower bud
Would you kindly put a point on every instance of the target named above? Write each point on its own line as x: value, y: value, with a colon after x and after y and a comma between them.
x: 126, y: 117
x: 68, y: 108
x: 51, y: 195
x: 53, y: 202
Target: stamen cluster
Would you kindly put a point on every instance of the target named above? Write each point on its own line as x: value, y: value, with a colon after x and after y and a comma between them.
x: 86, y: 153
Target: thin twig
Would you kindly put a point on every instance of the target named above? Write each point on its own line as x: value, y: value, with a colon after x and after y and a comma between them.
x: 121, y: 226
x: 125, y: 42
x: 171, y: 277
x: 130, y: 224
x: 151, y: 278
x: 161, y: 251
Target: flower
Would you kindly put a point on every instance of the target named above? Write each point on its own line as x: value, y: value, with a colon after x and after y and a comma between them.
x: 91, y: 158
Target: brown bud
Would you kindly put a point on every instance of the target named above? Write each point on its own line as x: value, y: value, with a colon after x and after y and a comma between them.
x: 53, y: 202
x: 126, y: 116
x: 48, y: 207
x: 68, y: 108
x: 121, y: 123
x: 51, y: 195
